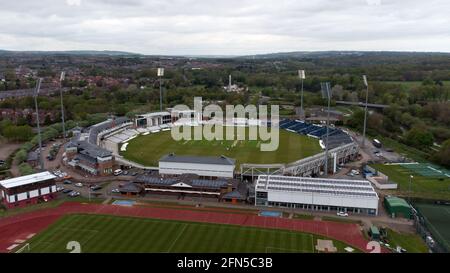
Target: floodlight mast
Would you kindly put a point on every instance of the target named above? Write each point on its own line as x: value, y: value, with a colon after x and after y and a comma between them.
x: 160, y: 75
x: 61, y: 79
x: 365, y: 111
x: 326, y: 92
x: 36, y: 94
x: 301, y: 74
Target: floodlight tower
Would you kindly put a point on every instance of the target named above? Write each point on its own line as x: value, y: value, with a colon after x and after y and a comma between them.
x: 61, y: 79
x: 36, y: 94
x: 410, y: 192
x: 301, y: 75
x: 160, y: 75
x: 365, y: 110
x: 326, y: 93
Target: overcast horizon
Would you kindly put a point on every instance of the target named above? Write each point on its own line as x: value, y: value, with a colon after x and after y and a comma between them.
x: 244, y: 27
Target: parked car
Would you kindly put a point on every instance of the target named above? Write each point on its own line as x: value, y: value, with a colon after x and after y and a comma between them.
x: 95, y: 187
x: 115, y: 191
x: 125, y: 173
x: 67, y: 191
x: 74, y: 194
x: 117, y: 172
x: 79, y: 185
x: 67, y: 182
x: 342, y: 214
x: 59, y: 188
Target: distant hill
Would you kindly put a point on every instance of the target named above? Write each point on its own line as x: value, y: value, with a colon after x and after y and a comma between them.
x: 333, y: 54
x: 70, y: 52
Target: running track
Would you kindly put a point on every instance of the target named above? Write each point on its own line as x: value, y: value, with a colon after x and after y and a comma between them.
x: 20, y: 226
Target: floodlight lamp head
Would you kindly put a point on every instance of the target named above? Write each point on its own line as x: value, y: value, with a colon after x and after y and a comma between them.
x: 301, y: 74
x: 160, y: 72
x: 326, y: 90
x: 365, y: 81
x: 38, y: 87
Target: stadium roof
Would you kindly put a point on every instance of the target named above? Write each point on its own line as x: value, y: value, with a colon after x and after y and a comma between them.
x: 341, y: 187
x: 27, y: 179
x: 216, y: 160
x: 155, y: 114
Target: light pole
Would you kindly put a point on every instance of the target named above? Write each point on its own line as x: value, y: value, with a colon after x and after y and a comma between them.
x: 160, y: 75
x: 302, y: 76
x: 326, y: 93
x: 36, y: 94
x: 61, y: 79
x: 365, y: 110
x: 410, y: 183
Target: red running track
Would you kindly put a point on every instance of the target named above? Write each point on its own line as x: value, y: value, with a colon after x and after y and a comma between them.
x: 20, y: 226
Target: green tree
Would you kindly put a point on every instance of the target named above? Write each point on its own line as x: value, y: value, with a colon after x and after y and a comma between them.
x: 18, y: 133
x: 442, y: 156
x: 419, y: 137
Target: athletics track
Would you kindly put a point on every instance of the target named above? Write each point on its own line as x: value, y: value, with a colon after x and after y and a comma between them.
x: 17, y: 228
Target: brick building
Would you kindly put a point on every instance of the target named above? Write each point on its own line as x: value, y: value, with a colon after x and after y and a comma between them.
x: 28, y: 189
x: 89, y: 158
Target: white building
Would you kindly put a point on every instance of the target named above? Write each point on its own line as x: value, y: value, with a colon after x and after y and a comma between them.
x: 203, y: 166
x: 357, y: 196
x: 28, y: 189
x: 153, y: 119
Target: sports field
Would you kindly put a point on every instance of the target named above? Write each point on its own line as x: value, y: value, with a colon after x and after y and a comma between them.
x: 147, y: 150
x: 422, y: 186
x: 103, y: 233
x: 438, y: 222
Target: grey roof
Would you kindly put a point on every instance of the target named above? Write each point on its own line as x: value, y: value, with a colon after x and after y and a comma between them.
x: 217, y: 160
x: 88, y: 149
x: 96, y: 129
x: 130, y: 187
x: 186, y: 179
x: 240, y: 192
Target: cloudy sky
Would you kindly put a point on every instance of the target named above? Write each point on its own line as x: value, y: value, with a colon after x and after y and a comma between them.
x: 232, y: 27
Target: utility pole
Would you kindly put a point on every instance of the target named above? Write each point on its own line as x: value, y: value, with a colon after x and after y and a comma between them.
x: 160, y: 75
x: 61, y: 79
x: 36, y: 94
x: 302, y: 76
x: 365, y: 111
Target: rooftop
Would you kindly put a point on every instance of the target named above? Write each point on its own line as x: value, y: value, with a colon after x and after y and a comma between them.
x: 396, y: 201
x: 189, y: 180
x: 216, y: 160
x: 341, y: 187
x: 155, y: 114
x: 27, y: 179
x: 89, y: 149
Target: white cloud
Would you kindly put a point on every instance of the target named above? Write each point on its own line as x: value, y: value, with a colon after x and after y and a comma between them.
x: 73, y: 2
x: 225, y: 27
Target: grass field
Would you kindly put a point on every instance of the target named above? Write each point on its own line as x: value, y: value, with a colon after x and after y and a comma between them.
x: 148, y: 149
x: 422, y: 187
x: 102, y: 233
x: 438, y: 221
x: 411, y: 242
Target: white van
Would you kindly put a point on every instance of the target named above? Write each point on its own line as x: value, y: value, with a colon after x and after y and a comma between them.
x: 117, y: 172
